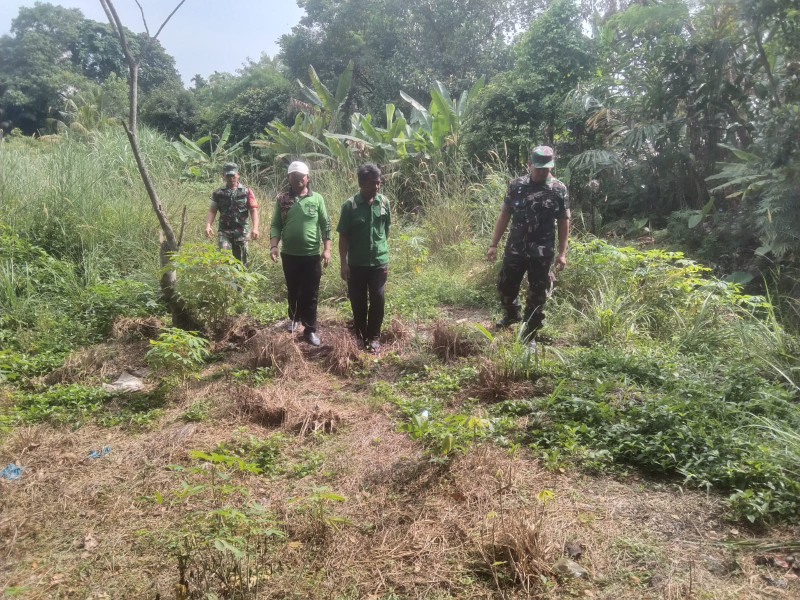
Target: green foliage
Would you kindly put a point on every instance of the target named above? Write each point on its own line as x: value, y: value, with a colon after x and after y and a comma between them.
x: 212, y: 283
x: 267, y: 454
x: 202, y: 165
x: 318, y: 505
x: 197, y: 412
x: 61, y: 404
x: 178, y: 351
x: 665, y: 414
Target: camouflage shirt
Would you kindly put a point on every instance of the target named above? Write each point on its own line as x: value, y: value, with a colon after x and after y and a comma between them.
x: 534, y: 208
x: 234, y: 206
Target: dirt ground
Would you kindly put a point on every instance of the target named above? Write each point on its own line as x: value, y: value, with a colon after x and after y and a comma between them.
x: 487, y: 524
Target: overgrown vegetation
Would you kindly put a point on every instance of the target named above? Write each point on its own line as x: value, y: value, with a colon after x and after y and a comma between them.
x: 287, y: 462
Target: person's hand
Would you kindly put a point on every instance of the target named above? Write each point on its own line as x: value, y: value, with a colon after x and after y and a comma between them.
x: 254, y: 234
x: 209, y: 231
x: 273, y: 253
x: 492, y: 253
x: 326, y: 257
x: 561, y: 262
x: 345, y: 272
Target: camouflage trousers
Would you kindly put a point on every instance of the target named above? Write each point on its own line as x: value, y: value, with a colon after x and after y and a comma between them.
x: 509, y: 281
x: 234, y: 242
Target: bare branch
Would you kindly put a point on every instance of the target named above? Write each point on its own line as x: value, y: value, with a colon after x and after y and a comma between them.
x: 141, y: 10
x: 168, y: 18
x: 116, y: 24
x: 183, y: 226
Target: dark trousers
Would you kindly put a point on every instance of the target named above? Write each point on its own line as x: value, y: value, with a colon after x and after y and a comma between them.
x: 302, y: 275
x: 367, y: 285
x: 509, y: 281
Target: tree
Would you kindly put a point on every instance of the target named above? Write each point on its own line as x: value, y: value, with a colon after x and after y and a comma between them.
x: 170, y: 243
x: 524, y: 105
x: 404, y: 43
x: 52, y: 52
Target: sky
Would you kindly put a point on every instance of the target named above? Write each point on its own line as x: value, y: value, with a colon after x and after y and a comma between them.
x: 204, y: 35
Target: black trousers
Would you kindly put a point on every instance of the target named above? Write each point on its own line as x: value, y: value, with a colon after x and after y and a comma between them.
x: 366, y: 288
x: 302, y: 275
x: 509, y: 281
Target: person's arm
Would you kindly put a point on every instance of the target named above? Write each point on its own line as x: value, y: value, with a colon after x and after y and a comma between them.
x: 210, y: 216
x: 388, y: 218
x: 344, y: 270
x: 325, y: 228
x: 252, y: 207
x: 563, y: 237
x: 499, y: 229
x: 275, y: 232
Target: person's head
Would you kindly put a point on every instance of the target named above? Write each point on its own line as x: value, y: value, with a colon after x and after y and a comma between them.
x: 541, y: 162
x: 369, y: 180
x: 230, y: 171
x: 298, y: 176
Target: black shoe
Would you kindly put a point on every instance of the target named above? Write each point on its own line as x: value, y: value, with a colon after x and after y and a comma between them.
x: 311, y: 337
x: 508, y: 321
x: 292, y: 326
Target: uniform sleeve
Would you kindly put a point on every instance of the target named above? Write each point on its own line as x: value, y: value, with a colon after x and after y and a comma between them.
x: 563, y: 208
x: 322, y: 218
x: 251, y: 199
x: 388, y: 214
x: 276, y: 226
x: 212, y: 203
x: 344, y: 219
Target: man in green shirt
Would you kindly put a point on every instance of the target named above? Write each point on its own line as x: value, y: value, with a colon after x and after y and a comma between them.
x: 300, y: 219
x: 363, y: 231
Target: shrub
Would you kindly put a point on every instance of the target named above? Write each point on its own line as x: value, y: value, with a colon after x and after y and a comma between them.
x: 178, y: 351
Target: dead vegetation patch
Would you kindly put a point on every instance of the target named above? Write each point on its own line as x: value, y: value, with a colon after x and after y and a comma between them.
x: 495, y: 384
x: 99, y: 362
x: 234, y: 332
x: 340, y: 352
x: 450, y: 342
x: 273, y: 349
x: 276, y: 407
x: 141, y: 328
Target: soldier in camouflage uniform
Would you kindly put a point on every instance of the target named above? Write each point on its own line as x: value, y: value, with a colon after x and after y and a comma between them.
x: 533, y: 204
x: 235, y: 202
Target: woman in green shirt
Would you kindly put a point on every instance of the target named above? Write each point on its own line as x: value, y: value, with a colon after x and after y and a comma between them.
x: 300, y: 221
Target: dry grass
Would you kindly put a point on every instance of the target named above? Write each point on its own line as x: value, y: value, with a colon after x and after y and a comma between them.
x: 341, y: 352
x: 487, y: 524
x: 269, y: 348
x: 451, y: 342
x: 99, y: 362
x: 146, y: 328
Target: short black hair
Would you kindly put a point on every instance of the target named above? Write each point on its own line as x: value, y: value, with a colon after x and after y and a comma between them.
x: 368, y: 171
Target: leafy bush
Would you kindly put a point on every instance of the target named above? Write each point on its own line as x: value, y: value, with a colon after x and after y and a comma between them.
x: 212, y: 282
x: 178, y: 351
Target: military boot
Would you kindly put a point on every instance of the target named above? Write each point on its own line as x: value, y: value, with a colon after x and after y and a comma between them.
x: 511, y: 317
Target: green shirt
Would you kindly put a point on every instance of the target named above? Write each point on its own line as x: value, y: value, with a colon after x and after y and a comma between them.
x: 300, y: 230
x: 367, y: 228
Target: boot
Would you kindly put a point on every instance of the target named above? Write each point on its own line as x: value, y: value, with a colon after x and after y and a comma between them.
x: 511, y: 317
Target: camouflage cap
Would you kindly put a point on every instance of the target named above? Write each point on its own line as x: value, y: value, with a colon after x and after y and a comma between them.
x: 230, y: 168
x: 542, y: 157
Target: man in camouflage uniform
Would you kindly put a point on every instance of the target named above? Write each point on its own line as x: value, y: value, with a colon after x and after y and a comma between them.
x: 235, y: 202
x: 533, y: 204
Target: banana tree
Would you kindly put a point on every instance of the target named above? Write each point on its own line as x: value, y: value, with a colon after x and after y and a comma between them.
x: 442, y: 120
x: 198, y: 163
x: 331, y: 105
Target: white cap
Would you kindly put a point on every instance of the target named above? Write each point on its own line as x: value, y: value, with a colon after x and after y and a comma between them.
x: 298, y: 167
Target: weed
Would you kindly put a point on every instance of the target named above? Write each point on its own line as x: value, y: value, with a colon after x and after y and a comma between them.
x: 317, y: 505
x: 178, y: 351
x: 61, y: 404
x: 197, y: 412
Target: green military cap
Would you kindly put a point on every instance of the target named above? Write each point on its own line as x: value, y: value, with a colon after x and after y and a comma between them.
x: 230, y: 168
x: 542, y: 157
